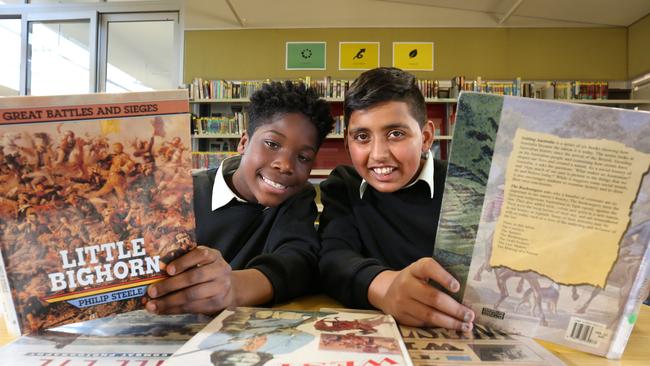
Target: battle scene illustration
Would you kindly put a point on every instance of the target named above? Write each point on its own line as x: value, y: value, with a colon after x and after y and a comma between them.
x: 89, y: 204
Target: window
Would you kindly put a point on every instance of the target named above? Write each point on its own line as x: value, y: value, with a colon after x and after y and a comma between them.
x: 145, y: 63
x: 10, y: 60
x: 74, y: 47
x: 58, y: 60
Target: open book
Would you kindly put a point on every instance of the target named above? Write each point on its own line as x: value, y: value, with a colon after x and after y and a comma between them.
x: 282, y: 337
x: 546, y: 218
x: 483, y: 345
x: 132, y: 338
x: 95, y: 199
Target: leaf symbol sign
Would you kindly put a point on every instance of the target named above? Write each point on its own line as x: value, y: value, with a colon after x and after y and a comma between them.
x: 413, y: 53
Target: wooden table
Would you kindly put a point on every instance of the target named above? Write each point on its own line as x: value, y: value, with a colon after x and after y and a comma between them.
x: 637, y: 352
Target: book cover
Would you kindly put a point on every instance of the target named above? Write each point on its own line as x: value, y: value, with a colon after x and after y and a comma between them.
x: 128, y: 339
x: 283, y: 337
x: 555, y: 233
x: 483, y: 345
x: 95, y: 199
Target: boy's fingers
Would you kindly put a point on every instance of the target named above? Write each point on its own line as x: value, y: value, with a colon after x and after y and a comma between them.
x: 189, y: 278
x: 152, y: 307
x: 430, y: 317
x: 407, y: 319
x: 427, y: 268
x: 205, y: 297
x: 200, y: 255
x: 440, y: 301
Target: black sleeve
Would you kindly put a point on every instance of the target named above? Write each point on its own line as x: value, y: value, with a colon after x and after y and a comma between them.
x: 346, y: 273
x: 290, y: 258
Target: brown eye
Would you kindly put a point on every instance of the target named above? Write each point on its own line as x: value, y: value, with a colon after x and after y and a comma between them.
x: 396, y: 134
x: 271, y: 144
x: 361, y: 137
x: 304, y: 158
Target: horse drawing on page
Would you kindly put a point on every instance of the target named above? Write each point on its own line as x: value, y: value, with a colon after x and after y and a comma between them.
x: 633, y: 247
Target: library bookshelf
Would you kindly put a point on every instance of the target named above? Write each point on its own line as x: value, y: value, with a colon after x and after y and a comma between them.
x: 219, y: 108
x: 210, y: 145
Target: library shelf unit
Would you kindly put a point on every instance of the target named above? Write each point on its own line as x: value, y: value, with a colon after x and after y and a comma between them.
x: 440, y: 110
x: 332, y: 151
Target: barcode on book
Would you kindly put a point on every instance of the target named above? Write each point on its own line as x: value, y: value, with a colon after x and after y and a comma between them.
x: 586, y: 332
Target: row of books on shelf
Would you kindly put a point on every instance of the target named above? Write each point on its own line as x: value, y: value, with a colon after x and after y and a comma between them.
x: 222, y: 89
x: 589, y: 90
x: 236, y: 124
x: 327, y: 87
x: 232, y: 125
x: 200, y: 89
x: 209, y: 159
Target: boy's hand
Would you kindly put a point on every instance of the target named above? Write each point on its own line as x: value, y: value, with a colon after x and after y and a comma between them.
x: 408, y: 297
x: 200, y: 282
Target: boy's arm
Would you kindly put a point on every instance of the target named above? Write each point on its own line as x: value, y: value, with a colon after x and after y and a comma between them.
x: 251, y: 287
x: 346, y: 273
x: 290, y: 258
x: 408, y: 296
x: 357, y: 281
x: 200, y: 282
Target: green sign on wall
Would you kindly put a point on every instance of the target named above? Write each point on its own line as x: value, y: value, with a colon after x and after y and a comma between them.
x: 305, y: 55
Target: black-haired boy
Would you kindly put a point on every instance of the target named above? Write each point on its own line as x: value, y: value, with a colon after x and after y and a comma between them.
x: 255, y: 214
x: 379, y: 219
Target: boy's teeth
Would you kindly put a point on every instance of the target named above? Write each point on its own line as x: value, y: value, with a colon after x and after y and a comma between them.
x: 383, y: 170
x: 273, y: 184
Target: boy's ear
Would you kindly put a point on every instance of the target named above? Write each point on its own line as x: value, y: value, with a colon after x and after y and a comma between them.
x: 428, y: 132
x: 243, y: 142
x: 345, y: 140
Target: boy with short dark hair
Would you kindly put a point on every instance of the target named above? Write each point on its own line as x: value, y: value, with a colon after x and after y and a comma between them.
x: 255, y: 214
x: 379, y: 219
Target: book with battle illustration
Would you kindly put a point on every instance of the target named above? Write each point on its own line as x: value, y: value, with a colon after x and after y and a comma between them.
x: 546, y: 218
x: 95, y: 199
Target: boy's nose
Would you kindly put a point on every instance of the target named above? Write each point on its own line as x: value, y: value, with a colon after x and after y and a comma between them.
x: 378, y: 150
x: 283, y: 163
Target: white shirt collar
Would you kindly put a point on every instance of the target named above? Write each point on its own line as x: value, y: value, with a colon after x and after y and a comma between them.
x: 221, y: 193
x: 426, y: 174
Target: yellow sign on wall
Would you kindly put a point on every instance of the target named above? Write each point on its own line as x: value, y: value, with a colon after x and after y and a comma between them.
x: 413, y: 55
x: 358, y: 55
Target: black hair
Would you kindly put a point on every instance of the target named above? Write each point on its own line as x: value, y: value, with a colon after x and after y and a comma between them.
x: 385, y: 84
x: 277, y: 98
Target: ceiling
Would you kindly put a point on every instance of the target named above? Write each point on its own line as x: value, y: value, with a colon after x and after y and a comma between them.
x: 243, y: 14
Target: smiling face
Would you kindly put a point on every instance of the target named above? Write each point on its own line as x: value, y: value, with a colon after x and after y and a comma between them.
x: 386, y: 143
x: 276, y: 161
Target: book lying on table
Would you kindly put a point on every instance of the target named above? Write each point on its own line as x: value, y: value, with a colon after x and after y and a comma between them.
x: 483, y: 345
x: 136, y: 338
x: 546, y: 218
x: 95, y: 199
x: 255, y: 336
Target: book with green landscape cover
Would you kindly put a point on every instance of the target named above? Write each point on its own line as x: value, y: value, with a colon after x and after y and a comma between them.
x: 545, y: 218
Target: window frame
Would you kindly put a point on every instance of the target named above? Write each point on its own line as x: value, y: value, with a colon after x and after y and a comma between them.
x: 96, y: 13
x: 102, y: 56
